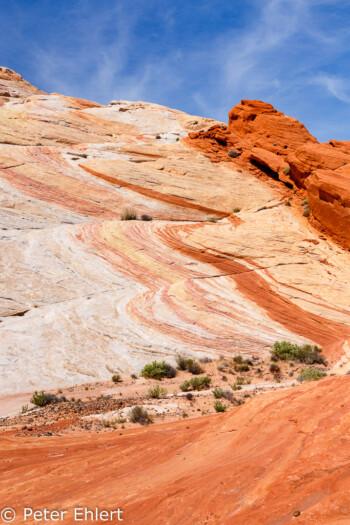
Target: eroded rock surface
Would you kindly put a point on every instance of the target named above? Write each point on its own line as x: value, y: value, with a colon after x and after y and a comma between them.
x: 85, y: 293
x: 270, y: 142
x: 281, y: 455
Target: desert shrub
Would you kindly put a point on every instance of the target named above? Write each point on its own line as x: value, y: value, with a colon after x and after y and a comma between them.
x: 112, y: 422
x: 158, y: 137
x: 310, y: 374
x: 307, y: 354
x: 183, y: 363
x: 240, y: 380
x: 186, y: 386
x: 116, y: 378
x: 194, y: 367
x: 275, y: 369
x: 235, y: 387
x: 205, y: 360
x: 286, y: 170
x: 238, y: 359
x: 140, y: 415
x: 133, y: 376
x: 158, y: 370
x: 243, y: 368
x: 128, y: 215
x: 237, y: 210
x: 229, y: 396
x: 196, y: 383
x: 189, y: 396
x: 218, y: 393
x: 24, y: 409
x: 305, y: 202
x: 157, y: 391
x: 222, y: 365
x: 41, y: 399
x: 146, y: 217
x: 307, y: 211
x: 287, y: 203
x: 220, y: 407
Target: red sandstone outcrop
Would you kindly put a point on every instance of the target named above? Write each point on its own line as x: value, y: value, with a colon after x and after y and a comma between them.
x: 281, y: 146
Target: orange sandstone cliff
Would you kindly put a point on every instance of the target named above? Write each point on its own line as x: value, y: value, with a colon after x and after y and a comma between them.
x: 264, y: 139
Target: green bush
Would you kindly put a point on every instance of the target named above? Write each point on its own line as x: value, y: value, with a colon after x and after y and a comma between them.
x: 157, y: 391
x: 235, y: 387
x: 140, y: 415
x: 220, y: 407
x: 237, y: 210
x: 41, y: 399
x: 307, y: 211
x: 286, y: 171
x: 196, y: 383
x: 116, y: 378
x: 193, y: 367
x: 305, y: 202
x: 238, y: 359
x: 310, y: 374
x: 243, y: 368
x: 158, y: 370
x: 184, y: 363
x: 186, y: 386
x: 218, y: 393
x: 308, y: 354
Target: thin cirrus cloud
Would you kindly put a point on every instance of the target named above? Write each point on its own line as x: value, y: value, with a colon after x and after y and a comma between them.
x: 200, y: 56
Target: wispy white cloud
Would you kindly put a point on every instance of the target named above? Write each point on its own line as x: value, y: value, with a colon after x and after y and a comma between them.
x: 335, y: 85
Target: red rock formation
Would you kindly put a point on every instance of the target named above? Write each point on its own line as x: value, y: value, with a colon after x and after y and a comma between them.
x: 278, y: 456
x: 281, y: 147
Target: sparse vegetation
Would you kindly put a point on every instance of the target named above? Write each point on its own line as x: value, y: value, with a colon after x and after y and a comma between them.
x: 158, y: 370
x: 192, y: 366
x: 310, y: 374
x: 196, y: 383
x: 128, y: 215
x: 238, y: 359
x: 205, y: 360
x: 287, y: 351
x: 116, y: 378
x: 307, y: 211
x: 156, y: 391
x: 235, y: 386
x: 218, y: 393
x: 305, y: 202
x: 275, y: 369
x: 220, y: 407
x: 140, y: 415
x: 24, y: 409
x: 41, y: 399
x: 243, y: 368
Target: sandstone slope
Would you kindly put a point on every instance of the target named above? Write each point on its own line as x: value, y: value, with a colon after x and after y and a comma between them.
x: 281, y: 455
x: 85, y: 294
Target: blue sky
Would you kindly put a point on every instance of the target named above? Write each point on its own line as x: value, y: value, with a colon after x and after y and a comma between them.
x: 198, y: 56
